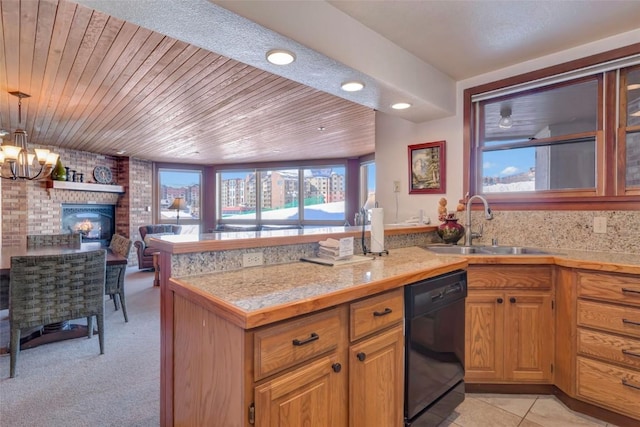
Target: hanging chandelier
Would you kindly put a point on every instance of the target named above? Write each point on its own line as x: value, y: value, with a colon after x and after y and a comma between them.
x: 20, y: 162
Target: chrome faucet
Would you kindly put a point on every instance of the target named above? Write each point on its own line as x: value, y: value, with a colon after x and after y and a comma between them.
x: 468, y: 234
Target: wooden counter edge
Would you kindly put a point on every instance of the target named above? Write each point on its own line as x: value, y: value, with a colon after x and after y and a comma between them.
x: 254, y: 319
x: 611, y: 267
x: 561, y: 260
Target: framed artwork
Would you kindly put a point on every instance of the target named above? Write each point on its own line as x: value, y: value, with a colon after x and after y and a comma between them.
x: 427, y: 174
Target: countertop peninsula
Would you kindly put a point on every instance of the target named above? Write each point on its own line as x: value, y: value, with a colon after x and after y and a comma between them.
x: 256, y: 296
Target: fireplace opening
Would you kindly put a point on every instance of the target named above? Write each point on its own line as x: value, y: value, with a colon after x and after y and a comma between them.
x: 96, y: 223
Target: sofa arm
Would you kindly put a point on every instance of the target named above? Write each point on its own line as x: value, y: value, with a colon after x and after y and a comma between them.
x: 140, y: 247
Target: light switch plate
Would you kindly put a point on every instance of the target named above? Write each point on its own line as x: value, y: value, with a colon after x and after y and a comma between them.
x: 600, y: 224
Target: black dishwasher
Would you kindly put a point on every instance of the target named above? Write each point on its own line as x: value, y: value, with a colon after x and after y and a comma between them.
x: 434, y: 352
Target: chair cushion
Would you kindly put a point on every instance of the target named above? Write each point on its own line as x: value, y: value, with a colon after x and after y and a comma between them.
x: 148, y: 242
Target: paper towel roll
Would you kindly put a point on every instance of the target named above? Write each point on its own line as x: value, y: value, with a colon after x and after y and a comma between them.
x: 377, y: 230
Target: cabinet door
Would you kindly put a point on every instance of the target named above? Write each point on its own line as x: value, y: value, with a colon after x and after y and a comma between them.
x: 310, y: 396
x: 484, y: 312
x: 376, y: 380
x: 528, y: 336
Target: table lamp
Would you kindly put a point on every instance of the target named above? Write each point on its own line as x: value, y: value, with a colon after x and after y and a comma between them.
x: 178, y: 204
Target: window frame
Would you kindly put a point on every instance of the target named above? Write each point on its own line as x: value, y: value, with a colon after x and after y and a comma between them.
x: 170, y: 167
x: 258, y: 221
x: 623, y: 131
x: 609, y: 193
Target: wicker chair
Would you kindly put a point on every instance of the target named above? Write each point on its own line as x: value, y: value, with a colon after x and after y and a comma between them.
x: 114, y: 284
x: 45, y: 289
x: 39, y: 240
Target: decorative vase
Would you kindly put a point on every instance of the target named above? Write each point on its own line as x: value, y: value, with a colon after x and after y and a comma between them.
x: 450, y: 231
x: 59, y: 173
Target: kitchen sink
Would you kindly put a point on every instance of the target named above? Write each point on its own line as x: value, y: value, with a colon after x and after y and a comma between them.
x: 453, y: 249
x: 511, y: 250
x: 484, y: 250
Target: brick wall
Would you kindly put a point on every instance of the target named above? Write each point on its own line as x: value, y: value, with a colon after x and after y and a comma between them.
x: 29, y: 207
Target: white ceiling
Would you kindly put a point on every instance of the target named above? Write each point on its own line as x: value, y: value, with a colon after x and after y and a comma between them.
x: 402, y: 50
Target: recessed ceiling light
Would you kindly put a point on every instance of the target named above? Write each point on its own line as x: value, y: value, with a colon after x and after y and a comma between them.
x: 633, y: 86
x: 352, y: 86
x: 120, y: 152
x: 280, y: 57
x: 400, y: 105
x: 321, y: 128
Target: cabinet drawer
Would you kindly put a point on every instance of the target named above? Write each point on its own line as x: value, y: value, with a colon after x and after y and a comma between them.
x: 612, y: 348
x: 610, y: 386
x: 375, y: 313
x: 607, y: 287
x: 292, y: 342
x: 509, y: 277
x: 613, y: 318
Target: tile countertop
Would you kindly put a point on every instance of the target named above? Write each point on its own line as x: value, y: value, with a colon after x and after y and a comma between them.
x: 258, y: 296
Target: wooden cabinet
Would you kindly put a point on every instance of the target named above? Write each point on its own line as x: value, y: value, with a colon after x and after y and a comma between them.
x: 313, y: 393
x: 608, y: 341
x: 308, y: 396
x: 338, y: 367
x: 509, y: 324
x: 376, y: 375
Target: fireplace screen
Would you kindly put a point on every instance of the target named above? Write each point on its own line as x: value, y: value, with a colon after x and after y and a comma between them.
x: 95, y: 223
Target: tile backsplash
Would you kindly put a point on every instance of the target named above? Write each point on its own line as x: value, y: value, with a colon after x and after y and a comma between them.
x: 562, y: 230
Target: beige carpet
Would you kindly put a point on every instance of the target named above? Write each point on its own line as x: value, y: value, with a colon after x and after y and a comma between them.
x: 69, y: 383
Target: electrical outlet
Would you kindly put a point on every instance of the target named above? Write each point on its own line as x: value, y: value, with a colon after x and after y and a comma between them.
x: 252, y: 259
x: 396, y: 186
x: 600, y: 224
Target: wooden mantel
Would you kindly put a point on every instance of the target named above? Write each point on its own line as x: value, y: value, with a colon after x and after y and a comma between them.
x: 84, y: 186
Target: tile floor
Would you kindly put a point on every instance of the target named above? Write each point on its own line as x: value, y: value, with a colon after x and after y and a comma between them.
x: 526, y: 410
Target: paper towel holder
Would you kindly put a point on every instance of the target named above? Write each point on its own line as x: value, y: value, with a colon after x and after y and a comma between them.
x: 384, y: 252
x: 368, y: 205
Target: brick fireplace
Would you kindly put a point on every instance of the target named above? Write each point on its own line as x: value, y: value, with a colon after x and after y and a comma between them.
x: 96, y: 223
x: 30, y: 207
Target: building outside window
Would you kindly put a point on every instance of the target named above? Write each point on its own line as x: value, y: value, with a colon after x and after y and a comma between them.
x: 186, y: 184
x: 288, y: 196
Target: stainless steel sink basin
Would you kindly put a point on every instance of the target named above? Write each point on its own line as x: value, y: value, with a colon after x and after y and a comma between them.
x: 511, y: 250
x: 453, y: 249
x: 484, y: 250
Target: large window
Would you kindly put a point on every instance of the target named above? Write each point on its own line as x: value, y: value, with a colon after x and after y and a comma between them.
x: 280, y: 197
x: 543, y: 140
x: 179, y: 198
x: 539, y: 140
x: 630, y: 129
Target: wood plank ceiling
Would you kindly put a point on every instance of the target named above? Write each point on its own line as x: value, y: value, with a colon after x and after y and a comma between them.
x: 103, y: 85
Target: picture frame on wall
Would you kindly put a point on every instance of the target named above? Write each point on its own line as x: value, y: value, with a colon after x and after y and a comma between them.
x: 427, y: 173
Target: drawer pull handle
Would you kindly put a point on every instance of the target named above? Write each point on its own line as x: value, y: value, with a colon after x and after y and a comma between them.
x: 512, y: 300
x: 631, y: 291
x: 630, y: 353
x: 312, y: 337
x: 361, y: 356
x: 382, y: 313
x: 500, y: 300
x: 336, y: 367
x: 630, y: 322
x: 628, y: 384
